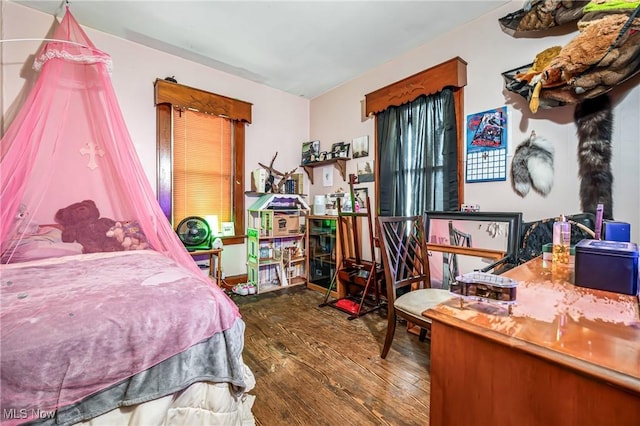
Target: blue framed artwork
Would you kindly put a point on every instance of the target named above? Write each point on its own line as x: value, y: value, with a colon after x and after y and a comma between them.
x: 486, y: 158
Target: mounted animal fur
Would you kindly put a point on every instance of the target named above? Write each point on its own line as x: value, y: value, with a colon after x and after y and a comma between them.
x: 532, y: 166
x: 594, y: 122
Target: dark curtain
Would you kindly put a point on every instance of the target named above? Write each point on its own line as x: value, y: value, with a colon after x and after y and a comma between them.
x: 418, y: 156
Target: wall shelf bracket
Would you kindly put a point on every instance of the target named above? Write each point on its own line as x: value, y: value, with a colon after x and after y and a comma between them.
x: 339, y: 163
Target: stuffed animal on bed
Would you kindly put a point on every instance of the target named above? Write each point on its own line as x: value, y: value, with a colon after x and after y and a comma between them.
x: 25, y: 225
x: 129, y: 235
x: 82, y: 223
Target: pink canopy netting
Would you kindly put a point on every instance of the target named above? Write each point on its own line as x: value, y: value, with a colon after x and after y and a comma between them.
x: 69, y: 143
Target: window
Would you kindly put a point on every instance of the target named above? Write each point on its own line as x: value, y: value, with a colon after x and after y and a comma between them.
x: 417, y: 147
x: 419, y: 141
x: 202, y: 166
x: 201, y: 155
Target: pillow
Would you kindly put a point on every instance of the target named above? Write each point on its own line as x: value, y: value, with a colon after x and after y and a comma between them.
x: 45, y: 243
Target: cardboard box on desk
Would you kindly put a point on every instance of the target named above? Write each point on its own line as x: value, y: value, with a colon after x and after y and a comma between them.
x: 607, y: 265
x: 286, y: 224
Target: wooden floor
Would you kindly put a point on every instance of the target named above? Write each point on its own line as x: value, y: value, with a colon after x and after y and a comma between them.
x: 315, y: 367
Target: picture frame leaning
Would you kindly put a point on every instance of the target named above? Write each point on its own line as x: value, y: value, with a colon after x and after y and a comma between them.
x: 360, y: 196
x: 340, y: 150
x: 310, y: 152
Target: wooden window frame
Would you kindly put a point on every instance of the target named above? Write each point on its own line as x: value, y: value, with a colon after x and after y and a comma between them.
x: 451, y: 73
x: 169, y: 95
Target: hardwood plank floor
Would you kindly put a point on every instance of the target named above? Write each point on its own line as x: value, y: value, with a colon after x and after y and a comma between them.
x: 315, y: 367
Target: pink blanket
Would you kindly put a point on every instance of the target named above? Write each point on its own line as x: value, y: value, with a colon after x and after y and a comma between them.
x: 75, y: 325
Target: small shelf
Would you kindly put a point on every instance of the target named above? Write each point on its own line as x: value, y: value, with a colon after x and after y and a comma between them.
x: 321, y: 255
x: 339, y: 163
x: 329, y: 234
x: 297, y: 281
x: 268, y: 261
x: 260, y: 194
x: 279, y: 237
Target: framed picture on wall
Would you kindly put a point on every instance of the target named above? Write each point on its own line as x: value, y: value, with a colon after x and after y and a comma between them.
x: 365, y: 171
x: 327, y: 176
x: 360, y: 147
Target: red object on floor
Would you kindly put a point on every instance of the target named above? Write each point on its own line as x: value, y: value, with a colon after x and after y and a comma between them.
x: 348, y: 305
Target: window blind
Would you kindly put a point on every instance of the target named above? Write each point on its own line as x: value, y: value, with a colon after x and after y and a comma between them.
x: 202, y: 166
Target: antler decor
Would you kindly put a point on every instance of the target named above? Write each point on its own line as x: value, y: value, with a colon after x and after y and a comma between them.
x: 271, y: 186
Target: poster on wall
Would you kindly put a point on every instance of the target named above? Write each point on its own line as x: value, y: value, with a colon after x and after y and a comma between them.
x: 486, y: 158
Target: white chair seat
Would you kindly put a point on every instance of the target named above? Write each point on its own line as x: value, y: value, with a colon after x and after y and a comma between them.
x: 417, y: 301
x: 406, y: 263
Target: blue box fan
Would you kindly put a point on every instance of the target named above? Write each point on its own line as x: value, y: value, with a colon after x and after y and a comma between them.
x: 195, y: 233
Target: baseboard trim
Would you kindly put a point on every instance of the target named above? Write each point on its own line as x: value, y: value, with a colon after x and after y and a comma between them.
x: 236, y: 279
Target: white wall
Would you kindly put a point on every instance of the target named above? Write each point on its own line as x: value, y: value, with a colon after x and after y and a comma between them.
x: 280, y: 120
x: 335, y: 116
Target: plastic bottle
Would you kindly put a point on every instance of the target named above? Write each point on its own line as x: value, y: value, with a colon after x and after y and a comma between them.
x: 561, y: 240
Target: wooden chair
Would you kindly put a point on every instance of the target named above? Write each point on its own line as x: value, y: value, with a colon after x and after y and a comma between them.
x: 406, y: 266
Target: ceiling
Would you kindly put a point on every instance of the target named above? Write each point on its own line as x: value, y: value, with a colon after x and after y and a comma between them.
x: 301, y: 47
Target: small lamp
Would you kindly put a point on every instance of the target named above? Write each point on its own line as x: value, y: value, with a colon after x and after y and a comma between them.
x: 212, y: 220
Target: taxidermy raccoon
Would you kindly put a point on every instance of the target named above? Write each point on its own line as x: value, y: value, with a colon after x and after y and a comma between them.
x: 532, y: 166
x: 594, y: 121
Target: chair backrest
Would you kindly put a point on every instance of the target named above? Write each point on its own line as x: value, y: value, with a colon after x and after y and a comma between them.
x: 450, y: 260
x: 404, y: 253
x: 457, y: 237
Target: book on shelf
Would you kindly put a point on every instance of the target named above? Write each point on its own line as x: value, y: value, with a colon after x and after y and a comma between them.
x: 298, y: 184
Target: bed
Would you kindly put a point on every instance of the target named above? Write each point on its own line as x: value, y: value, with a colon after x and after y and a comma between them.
x: 127, y: 337
x: 92, y: 331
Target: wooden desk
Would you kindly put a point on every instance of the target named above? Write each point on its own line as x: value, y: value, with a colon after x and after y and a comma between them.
x: 567, y: 356
x: 211, y: 253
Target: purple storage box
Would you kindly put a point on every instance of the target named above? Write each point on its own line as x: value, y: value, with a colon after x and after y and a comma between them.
x: 607, y: 265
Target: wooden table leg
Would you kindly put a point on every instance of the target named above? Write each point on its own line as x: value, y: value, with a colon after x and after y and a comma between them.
x: 221, y: 282
x: 211, y: 254
x: 215, y: 273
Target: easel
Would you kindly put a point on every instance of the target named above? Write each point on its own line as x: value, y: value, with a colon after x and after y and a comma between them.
x: 354, y: 271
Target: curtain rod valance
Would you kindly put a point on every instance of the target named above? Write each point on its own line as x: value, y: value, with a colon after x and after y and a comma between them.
x: 167, y: 92
x: 452, y: 73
